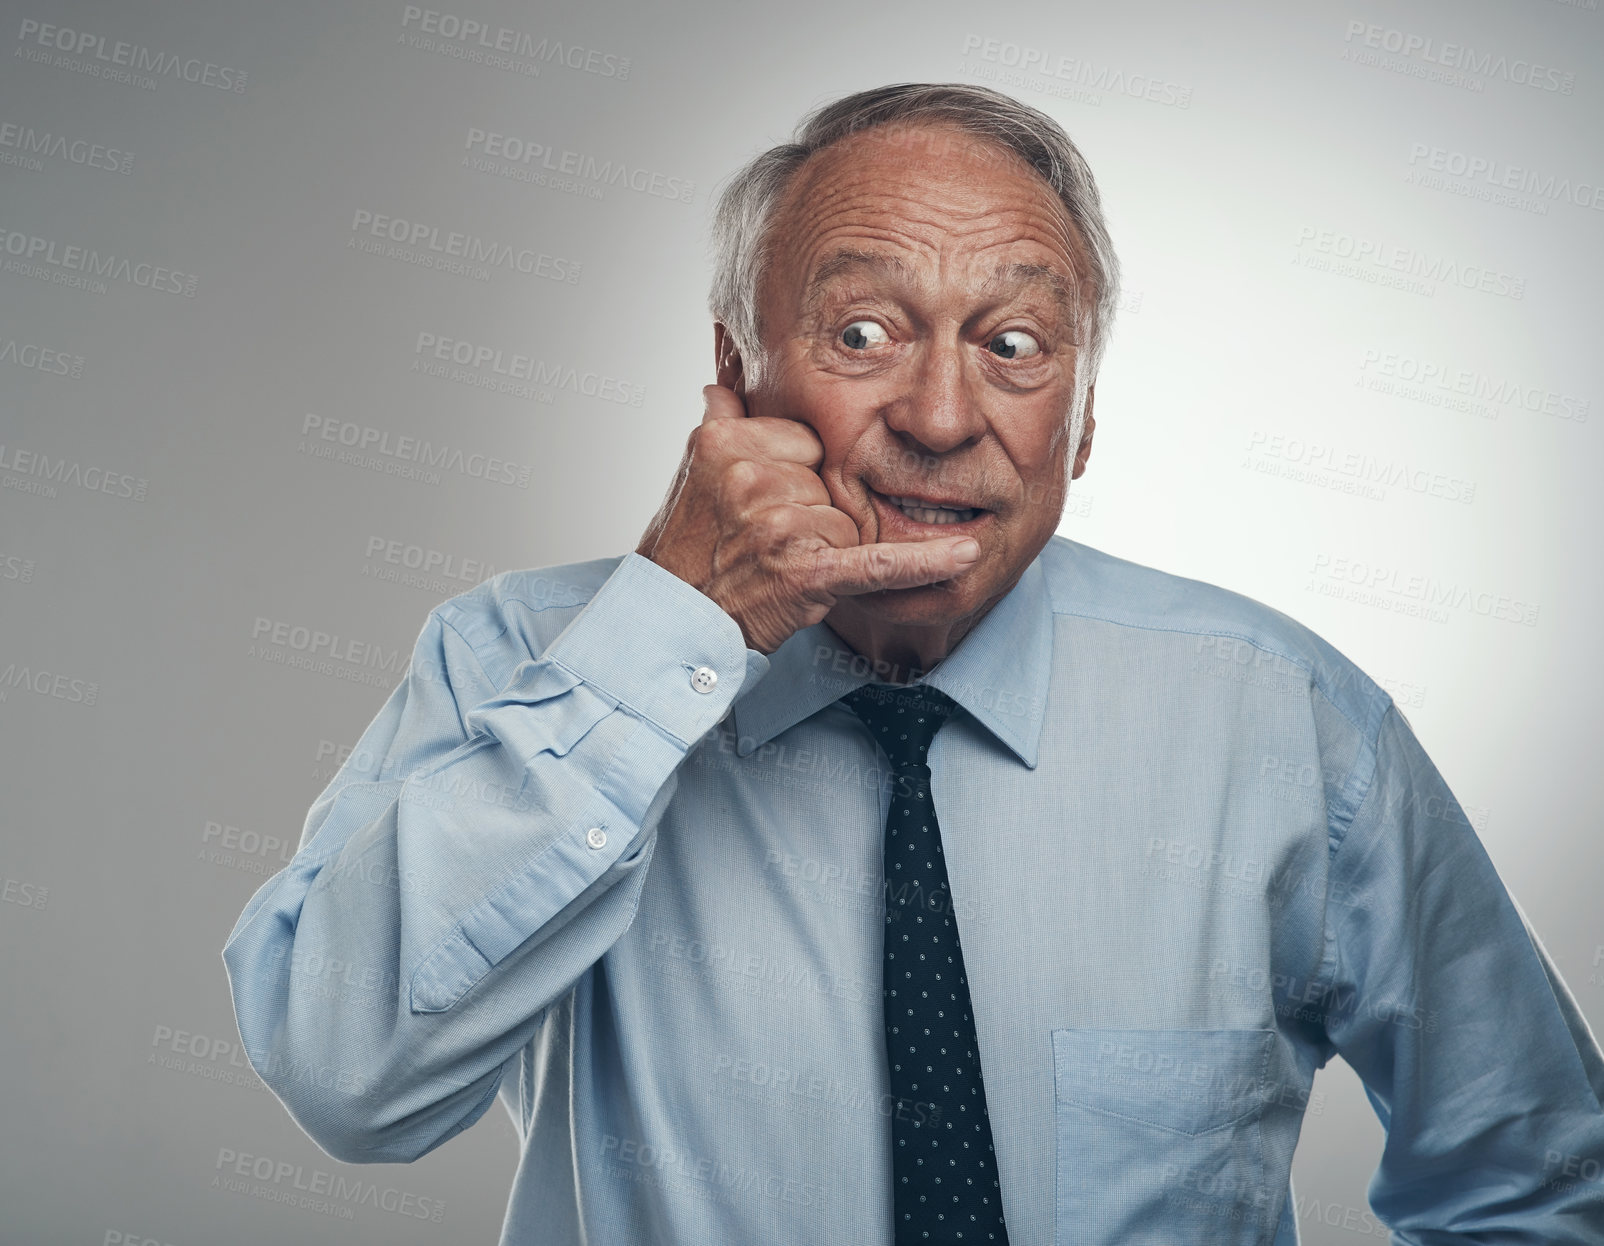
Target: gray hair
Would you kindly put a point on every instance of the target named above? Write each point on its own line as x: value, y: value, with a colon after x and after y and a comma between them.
x: 747, y: 204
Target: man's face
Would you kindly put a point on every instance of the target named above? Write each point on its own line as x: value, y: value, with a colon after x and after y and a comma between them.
x: 919, y: 313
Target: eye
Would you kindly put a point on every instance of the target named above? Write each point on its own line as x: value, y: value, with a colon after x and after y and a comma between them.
x: 1014, y: 344
x: 863, y: 333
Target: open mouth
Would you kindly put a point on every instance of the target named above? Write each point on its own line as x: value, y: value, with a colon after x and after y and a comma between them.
x: 925, y: 511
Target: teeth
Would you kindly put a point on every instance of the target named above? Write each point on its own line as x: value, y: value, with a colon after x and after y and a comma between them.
x: 921, y: 513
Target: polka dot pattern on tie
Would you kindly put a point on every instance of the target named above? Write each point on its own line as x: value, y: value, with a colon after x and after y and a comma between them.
x: 944, y: 1169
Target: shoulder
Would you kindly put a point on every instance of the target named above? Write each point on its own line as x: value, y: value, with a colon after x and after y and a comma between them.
x: 1086, y: 583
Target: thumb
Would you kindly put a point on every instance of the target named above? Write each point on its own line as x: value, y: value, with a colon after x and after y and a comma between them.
x: 721, y: 403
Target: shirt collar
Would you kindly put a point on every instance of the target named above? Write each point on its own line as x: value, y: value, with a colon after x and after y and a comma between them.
x: 999, y: 672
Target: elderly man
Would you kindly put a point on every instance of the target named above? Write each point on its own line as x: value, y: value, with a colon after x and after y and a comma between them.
x: 857, y: 861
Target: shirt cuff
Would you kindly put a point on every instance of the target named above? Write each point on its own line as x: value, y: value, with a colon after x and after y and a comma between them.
x: 659, y: 647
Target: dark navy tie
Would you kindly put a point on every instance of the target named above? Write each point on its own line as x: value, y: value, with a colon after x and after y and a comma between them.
x: 944, y: 1170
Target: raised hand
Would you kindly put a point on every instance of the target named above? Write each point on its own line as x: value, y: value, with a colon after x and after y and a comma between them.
x: 748, y: 522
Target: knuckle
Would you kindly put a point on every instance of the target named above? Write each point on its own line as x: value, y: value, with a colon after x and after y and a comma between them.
x: 883, y: 561
x: 772, y: 529
x: 841, y: 532
x: 809, y: 569
x: 742, y: 474
x: 713, y: 436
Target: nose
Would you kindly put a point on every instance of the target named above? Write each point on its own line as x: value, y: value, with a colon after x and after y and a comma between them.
x: 938, y: 405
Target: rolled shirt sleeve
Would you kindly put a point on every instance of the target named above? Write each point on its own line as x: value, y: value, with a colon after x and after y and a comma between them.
x: 479, y: 850
x: 1473, y: 1053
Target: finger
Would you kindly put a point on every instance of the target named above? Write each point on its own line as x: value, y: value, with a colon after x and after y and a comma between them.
x: 809, y: 523
x: 761, y: 438
x: 792, y: 483
x: 835, y: 526
x: 719, y: 402
x: 748, y: 488
x: 895, y: 564
x: 791, y: 440
x: 752, y: 486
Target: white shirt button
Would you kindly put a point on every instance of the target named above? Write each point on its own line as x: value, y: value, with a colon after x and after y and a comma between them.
x: 703, y: 678
x: 596, y: 837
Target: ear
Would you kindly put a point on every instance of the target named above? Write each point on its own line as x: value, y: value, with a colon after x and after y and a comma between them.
x: 727, y: 360
x: 1084, y: 450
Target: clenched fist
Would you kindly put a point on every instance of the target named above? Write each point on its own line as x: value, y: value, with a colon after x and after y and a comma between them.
x: 748, y: 522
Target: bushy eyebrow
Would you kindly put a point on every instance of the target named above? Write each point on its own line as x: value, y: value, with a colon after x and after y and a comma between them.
x: 1011, y: 277
x: 1003, y: 279
x: 849, y: 261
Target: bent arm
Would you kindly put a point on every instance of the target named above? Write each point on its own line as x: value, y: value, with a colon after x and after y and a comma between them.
x: 479, y: 851
x: 1472, y: 1051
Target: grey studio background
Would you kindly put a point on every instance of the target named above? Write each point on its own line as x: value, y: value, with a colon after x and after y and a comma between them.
x: 255, y: 258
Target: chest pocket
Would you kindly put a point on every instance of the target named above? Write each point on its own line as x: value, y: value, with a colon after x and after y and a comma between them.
x: 1158, y: 1137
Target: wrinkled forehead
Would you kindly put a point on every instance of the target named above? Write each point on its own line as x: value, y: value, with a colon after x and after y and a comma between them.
x: 889, y: 200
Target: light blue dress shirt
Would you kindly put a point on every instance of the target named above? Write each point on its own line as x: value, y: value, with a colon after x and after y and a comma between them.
x: 596, y: 856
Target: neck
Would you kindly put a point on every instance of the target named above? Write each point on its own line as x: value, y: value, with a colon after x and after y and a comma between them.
x: 900, y: 653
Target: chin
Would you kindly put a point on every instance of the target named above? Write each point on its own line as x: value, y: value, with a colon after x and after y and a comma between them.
x: 924, y: 605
